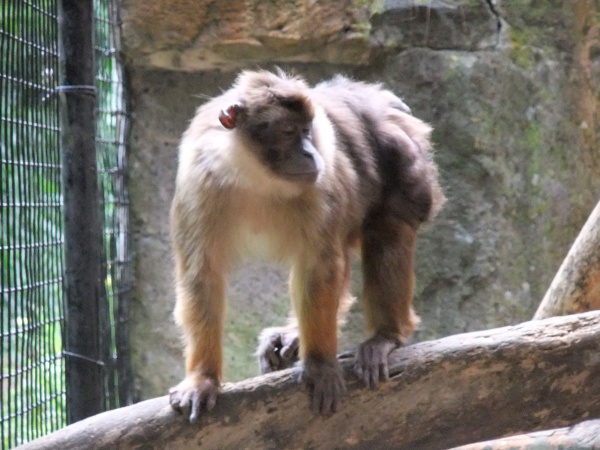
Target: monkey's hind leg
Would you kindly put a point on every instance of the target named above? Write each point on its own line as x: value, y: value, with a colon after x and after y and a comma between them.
x: 388, y: 260
x: 278, y: 347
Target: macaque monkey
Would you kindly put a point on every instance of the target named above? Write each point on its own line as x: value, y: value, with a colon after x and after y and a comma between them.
x: 317, y: 172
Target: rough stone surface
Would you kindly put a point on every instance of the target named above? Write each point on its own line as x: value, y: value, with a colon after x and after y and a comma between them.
x: 436, y: 24
x: 515, y: 112
x: 206, y: 34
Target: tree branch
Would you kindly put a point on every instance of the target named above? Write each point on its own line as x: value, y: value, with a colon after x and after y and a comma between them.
x: 576, y: 286
x: 453, y: 391
x: 581, y: 436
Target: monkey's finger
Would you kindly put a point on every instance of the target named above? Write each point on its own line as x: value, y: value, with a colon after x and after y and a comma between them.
x: 335, y: 403
x: 289, y: 350
x: 373, y: 377
x: 338, y: 391
x: 316, y: 406
x: 275, y: 361
x: 176, y: 406
x: 268, y: 360
x: 327, y: 403
x: 357, y: 370
x: 367, y: 366
x: 314, y: 393
x: 314, y: 399
x: 175, y: 400
x: 184, y: 399
x: 195, y: 406
x: 318, y: 399
x: 359, y: 364
x: 366, y: 378
x: 209, y: 399
x: 384, y: 372
x: 290, y: 338
x: 275, y: 340
x: 361, y: 372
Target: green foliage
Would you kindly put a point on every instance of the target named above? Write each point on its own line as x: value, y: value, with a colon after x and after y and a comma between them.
x: 31, y: 225
x: 31, y: 220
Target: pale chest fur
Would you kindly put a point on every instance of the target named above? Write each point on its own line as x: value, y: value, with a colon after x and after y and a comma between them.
x: 276, y: 228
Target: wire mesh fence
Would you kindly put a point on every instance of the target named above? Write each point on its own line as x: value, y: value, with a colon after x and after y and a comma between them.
x: 111, y: 131
x: 32, y: 319
x: 32, y: 368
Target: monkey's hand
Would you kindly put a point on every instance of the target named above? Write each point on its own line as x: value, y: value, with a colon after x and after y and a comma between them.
x: 371, y: 363
x: 193, y: 394
x: 277, y: 348
x: 325, y: 383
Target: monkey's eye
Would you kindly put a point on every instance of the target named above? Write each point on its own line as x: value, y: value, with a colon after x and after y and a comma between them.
x: 306, y: 131
x: 288, y: 130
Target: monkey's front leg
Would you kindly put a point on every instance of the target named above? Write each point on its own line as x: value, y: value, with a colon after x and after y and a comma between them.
x: 316, y: 294
x: 200, y: 311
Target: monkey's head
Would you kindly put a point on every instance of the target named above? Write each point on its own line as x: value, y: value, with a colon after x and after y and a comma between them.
x: 274, y: 120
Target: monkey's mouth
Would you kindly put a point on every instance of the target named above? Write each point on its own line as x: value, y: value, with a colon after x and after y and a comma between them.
x: 301, y: 167
x: 299, y: 177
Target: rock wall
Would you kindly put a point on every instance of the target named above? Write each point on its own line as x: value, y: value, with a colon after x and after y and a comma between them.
x: 511, y: 88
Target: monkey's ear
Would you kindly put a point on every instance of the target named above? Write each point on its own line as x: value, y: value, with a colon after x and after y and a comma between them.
x: 228, y: 117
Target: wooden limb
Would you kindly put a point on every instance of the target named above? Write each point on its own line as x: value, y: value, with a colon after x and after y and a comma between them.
x: 576, y: 286
x: 453, y: 391
x: 585, y: 435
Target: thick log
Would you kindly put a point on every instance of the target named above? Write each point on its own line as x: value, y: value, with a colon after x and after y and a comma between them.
x: 453, y: 391
x: 576, y: 286
x: 585, y: 435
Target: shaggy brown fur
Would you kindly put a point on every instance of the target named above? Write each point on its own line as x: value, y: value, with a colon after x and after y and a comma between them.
x: 313, y: 173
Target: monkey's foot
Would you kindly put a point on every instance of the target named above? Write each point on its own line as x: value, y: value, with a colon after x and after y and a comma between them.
x: 277, y: 348
x: 325, y: 383
x: 371, y: 363
x: 194, y: 394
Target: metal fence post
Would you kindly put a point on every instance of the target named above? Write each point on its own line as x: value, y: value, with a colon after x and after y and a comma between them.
x: 82, y: 226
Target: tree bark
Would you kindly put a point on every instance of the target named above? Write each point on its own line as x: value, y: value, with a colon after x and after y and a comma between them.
x: 453, y: 391
x: 585, y: 435
x: 576, y: 286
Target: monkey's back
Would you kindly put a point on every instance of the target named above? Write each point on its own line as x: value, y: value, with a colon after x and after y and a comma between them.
x: 389, y: 148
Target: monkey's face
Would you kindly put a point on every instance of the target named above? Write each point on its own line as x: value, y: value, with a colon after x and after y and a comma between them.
x: 282, y: 141
x: 279, y: 134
